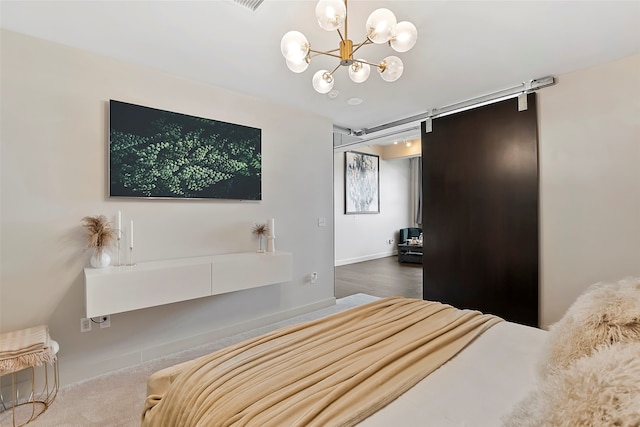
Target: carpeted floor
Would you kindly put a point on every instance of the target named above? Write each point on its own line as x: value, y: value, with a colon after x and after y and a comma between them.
x: 117, y: 399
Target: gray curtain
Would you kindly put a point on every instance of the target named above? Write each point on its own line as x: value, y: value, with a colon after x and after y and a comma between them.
x: 415, y: 167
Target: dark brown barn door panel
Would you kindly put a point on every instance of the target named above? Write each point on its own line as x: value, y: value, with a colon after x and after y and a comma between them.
x: 480, y: 210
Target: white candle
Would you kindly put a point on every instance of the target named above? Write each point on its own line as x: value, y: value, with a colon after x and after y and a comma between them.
x: 119, y: 225
x: 271, y: 247
x: 271, y: 226
x: 131, y: 235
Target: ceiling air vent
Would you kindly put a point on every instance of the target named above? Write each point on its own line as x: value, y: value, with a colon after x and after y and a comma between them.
x: 249, y: 4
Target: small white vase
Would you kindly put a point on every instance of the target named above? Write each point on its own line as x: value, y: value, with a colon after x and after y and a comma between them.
x: 100, y: 261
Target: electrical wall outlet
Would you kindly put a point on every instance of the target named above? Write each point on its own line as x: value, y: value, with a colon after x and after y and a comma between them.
x: 390, y: 241
x: 314, y: 277
x: 85, y: 325
x: 105, y: 321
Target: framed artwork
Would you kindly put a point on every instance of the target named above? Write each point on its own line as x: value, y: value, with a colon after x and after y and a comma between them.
x: 361, y: 183
x: 161, y: 154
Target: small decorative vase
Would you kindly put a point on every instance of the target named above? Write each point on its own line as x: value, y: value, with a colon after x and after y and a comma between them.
x: 260, y: 249
x: 100, y: 260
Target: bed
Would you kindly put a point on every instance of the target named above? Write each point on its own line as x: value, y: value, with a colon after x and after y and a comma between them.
x: 395, y: 361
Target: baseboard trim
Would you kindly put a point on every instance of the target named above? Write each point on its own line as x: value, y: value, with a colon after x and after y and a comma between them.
x: 347, y: 261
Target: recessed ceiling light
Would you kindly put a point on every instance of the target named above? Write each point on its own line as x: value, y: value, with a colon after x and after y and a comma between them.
x: 354, y: 101
x: 333, y: 94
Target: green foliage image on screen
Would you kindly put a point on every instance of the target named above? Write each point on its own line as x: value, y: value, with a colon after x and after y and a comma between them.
x: 156, y: 153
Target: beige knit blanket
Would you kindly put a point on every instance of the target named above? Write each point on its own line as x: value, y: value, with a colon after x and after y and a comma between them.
x: 24, y: 348
x: 335, y: 371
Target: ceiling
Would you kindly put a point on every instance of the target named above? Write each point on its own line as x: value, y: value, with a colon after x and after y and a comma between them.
x: 465, y: 49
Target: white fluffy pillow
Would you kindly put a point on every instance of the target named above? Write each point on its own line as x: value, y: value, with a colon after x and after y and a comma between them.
x: 605, y: 313
x: 602, y: 389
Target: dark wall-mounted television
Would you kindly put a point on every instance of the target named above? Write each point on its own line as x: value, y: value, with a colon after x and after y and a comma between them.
x: 161, y: 154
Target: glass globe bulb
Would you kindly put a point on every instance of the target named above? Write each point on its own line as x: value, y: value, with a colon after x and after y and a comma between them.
x: 298, y: 66
x: 331, y: 14
x: 405, y: 37
x: 359, y: 71
x: 294, y: 46
x: 322, y: 81
x: 391, y: 68
x: 380, y: 26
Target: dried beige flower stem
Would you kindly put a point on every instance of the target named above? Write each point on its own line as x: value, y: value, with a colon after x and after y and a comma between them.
x: 100, y: 232
x: 260, y: 229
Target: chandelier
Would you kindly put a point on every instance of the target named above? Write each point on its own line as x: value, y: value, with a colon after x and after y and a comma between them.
x: 381, y: 27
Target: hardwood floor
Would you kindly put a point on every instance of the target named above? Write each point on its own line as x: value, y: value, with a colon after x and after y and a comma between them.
x: 382, y: 277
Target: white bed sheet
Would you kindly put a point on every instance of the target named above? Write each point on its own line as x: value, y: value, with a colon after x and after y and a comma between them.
x: 476, y: 388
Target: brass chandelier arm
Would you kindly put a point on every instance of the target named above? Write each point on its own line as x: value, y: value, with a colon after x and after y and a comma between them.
x: 364, y: 43
x: 346, y: 15
x: 328, y: 53
x: 370, y: 63
x: 335, y: 69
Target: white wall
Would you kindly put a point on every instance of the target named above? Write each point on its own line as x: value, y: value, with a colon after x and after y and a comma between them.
x: 365, y: 237
x: 589, y: 134
x: 53, y: 173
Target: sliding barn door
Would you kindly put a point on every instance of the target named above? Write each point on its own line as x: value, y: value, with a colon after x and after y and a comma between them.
x: 480, y: 210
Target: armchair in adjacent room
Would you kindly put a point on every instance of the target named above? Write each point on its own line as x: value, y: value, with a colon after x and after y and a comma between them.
x: 409, y: 252
x: 408, y: 233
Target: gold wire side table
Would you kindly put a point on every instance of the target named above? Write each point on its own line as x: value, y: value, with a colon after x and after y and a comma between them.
x: 26, y: 408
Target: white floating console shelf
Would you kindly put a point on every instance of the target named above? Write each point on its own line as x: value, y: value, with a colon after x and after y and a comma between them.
x: 148, y: 284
